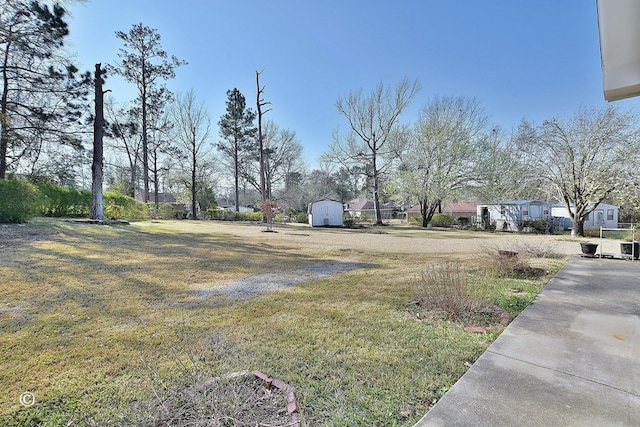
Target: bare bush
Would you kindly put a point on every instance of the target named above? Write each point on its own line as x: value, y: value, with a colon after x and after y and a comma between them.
x: 514, y: 260
x: 444, y: 287
x: 524, y: 249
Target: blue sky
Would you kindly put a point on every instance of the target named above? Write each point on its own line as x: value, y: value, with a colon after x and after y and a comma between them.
x: 518, y: 58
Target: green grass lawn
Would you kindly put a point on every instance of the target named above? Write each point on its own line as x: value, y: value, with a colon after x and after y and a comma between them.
x: 100, y: 323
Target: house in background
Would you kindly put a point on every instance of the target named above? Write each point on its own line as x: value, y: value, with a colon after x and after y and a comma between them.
x: 230, y: 205
x: 455, y: 209
x: 325, y: 213
x: 604, y: 215
x: 361, y: 208
x: 162, y: 197
x: 514, y: 215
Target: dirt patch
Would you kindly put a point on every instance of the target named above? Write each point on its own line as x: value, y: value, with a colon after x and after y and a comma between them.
x: 251, y: 286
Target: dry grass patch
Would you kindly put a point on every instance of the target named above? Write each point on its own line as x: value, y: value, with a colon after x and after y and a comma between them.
x: 85, y: 310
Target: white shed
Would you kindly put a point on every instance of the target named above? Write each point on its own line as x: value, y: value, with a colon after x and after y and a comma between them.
x: 325, y: 213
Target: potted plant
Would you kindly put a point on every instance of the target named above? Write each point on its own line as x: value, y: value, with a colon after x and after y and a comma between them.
x: 629, y: 249
x: 588, y: 248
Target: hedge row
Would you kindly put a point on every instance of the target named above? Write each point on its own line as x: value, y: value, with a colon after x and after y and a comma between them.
x: 227, y: 215
x: 21, y: 200
x: 18, y: 201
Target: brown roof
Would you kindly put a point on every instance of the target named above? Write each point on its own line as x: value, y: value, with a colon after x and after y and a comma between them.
x: 451, y: 207
x: 460, y: 206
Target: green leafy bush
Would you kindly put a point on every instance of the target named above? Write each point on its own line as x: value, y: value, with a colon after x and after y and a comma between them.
x: 112, y: 211
x: 18, y: 201
x: 223, y: 215
x: 118, y: 206
x: 252, y: 216
x: 58, y: 201
x: 302, y: 218
x: 441, y: 220
x: 227, y: 215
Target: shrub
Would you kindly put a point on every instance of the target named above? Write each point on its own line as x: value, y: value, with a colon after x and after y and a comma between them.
x: 302, y: 218
x: 227, y: 215
x: 281, y: 218
x: 112, y: 211
x: 444, y: 287
x: 415, y: 220
x: 223, y: 215
x: 441, y: 220
x: 252, y: 216
x: 18, y: 201
x: 513, y: 262
x: 591, y: 232
x: 129, y: 207
x: 540, y: 225
x: 463, y: 220
x: 58, y: 201
x: 169, y: 211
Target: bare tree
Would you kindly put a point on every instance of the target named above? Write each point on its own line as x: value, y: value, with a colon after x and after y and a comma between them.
x: 583, y: 159
x: 283, y: 156
x: 439, y: 160
x: 191, y: 130
x: 499, y: 173
x: 371, y: 141
x: 260, y: 103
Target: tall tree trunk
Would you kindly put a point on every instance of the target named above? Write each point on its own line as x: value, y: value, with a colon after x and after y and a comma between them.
x: 578, y: 226
x: 155, y: 181
x: 97, y: 208
x: 134, y: 181
x: 4, y: 120
x: 145, y: 144
x: 427, y: 210
x: 376, y: 191
x: 194, y: 214
x: 237, y: 174
x: 260, y: 103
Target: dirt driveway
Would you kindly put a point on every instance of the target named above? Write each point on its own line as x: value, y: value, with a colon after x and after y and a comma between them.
x: 405, y: 240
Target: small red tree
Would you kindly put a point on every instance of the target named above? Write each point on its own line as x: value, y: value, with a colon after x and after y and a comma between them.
x: 269, y: 209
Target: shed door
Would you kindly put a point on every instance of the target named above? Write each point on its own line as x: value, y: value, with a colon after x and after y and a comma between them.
x: 599, y: 218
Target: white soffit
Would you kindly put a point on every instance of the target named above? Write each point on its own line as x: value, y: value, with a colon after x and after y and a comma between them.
x: 619, y: 26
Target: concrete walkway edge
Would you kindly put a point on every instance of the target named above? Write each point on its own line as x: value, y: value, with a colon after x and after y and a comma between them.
x: 572, y: 358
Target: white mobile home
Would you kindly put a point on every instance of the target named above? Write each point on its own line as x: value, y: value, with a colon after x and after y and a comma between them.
x: 325, y: 213
x: 604, y: 215
x: 514, y: 215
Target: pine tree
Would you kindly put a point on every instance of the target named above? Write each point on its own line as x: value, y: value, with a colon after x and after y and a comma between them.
x: 237, y: 130
x: 41, y: 96
x: 144, y: 63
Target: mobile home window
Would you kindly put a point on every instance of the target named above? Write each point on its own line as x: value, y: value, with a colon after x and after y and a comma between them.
x: 609, y: 214
x: 525, y: 210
